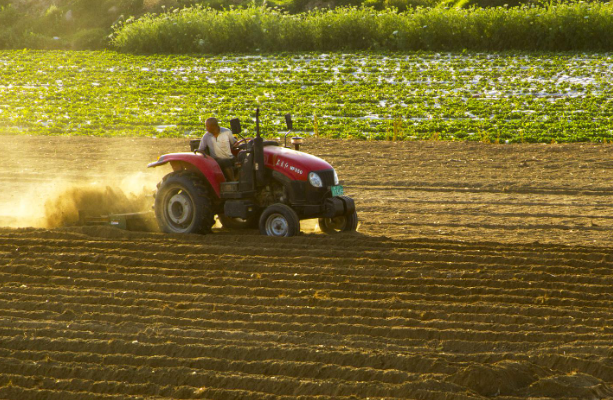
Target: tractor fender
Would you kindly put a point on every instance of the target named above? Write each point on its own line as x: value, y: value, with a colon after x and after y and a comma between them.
x: 204, y: 164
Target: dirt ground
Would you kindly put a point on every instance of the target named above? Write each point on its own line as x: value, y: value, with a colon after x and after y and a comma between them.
x: 478, y: 270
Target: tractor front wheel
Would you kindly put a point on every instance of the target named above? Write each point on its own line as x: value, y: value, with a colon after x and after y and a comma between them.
x: 344, y: 223
x: 279, y: 220
x: 182, y: 204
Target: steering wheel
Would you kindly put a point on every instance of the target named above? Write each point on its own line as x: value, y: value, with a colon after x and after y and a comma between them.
x: 239, y: 145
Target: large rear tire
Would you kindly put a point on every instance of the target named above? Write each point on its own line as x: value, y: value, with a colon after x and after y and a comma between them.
x: 344, y: 223
x: 182, y: 204
x: 279, y: 220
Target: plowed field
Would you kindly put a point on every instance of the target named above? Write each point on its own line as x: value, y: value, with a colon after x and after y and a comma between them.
x: 478, y: 270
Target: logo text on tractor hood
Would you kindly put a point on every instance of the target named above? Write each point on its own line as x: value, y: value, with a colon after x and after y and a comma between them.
x: 286, y: 165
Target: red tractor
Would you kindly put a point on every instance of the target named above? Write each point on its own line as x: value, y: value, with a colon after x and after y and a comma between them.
x: 277, y: 187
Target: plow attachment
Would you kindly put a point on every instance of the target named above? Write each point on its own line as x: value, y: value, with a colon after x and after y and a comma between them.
x: 140, y: 221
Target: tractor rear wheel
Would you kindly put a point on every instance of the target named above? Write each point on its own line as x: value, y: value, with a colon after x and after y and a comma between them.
x: 279, y: 220
x: 182, y: 204
x: 344, y: 223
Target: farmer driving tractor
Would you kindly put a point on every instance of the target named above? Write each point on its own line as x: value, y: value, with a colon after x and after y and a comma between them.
x: 278, y: 186
x: 219, y: 142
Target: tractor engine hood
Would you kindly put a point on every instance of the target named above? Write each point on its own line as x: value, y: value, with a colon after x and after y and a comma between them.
x: 294, y: 164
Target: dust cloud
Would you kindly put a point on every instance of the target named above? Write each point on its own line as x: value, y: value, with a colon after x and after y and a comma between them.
x: 58, y: 203
x: 65, y: 209
x: 47, y: 180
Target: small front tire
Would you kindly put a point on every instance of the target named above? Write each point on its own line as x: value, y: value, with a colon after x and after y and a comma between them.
x: 279, y: 220
x: 343, y: 223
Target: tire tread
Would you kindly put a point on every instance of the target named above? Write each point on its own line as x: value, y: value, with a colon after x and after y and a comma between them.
x: 203, y: 204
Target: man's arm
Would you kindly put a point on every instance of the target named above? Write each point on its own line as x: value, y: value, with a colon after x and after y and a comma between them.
x: 231, y: 137
x: 203, y: 144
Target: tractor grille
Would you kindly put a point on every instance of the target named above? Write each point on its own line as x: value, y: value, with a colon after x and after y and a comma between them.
x: 302, y: 192
x: 327, y: 176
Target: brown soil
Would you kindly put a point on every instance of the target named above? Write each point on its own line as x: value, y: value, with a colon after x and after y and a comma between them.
x: 478, y: 270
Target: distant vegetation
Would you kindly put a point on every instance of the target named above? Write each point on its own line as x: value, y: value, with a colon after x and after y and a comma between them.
x: 87, y: 24
x: 573, y: 27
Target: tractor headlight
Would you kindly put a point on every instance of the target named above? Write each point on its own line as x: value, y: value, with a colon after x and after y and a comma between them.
x: 315, y: 180
x: 336, y: 181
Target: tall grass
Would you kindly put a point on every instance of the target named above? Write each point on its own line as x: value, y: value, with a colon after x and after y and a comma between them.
x: 563, y: 27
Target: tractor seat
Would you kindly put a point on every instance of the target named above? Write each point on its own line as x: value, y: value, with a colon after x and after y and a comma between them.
x: 194, y: 144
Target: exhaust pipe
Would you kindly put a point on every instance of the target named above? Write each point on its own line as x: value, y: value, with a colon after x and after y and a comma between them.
x: 258, y: 153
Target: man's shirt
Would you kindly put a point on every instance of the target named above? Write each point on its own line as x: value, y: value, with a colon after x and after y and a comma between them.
x: 219, y: 147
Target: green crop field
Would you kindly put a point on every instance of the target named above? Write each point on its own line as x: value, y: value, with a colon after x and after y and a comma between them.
x: 495, y: 97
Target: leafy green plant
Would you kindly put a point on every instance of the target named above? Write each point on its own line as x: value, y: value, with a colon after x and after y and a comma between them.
x: 576, y: 26
x: 495, y: 97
